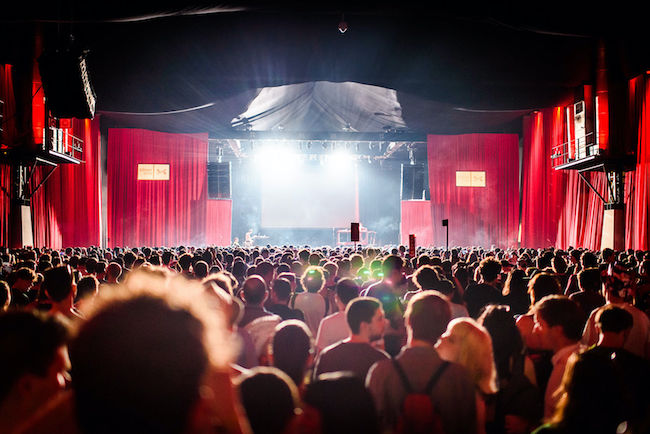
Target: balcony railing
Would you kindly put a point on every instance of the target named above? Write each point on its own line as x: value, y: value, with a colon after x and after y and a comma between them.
x: 574, y: 150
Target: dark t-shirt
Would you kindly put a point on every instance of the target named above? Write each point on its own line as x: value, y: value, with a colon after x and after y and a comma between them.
x: 588, y: 301
x: 480, y: 295
x: 19, y: 298
x: 285, y: 312
x: 348, y: 356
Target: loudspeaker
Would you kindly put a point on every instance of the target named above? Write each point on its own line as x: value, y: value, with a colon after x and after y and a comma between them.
x: 414, y: 182
x: 354, y: 232
x: 219, y: 180
x: 66, y: 84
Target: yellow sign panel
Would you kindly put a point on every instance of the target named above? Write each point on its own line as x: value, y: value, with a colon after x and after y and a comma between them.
x: 153, y: 172
x: 470, y: 179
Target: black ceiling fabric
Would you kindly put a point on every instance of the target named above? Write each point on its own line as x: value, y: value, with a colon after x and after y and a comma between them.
x: 468, y: 68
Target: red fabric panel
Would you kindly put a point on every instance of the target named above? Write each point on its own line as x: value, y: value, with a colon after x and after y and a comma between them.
x: 218, y: 222
x: 416, y: 219
x: 581, y: 219
x: 66, y: 210
x: 639, y: 237
x: 8, y: 135
x: 544, y: 189
x: 5, y: 202
x: 9, y: 108
x: 158, y: 213
x: 477, y: 215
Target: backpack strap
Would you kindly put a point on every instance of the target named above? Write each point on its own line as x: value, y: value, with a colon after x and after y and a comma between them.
x: 436, y: 376
x: 402, y: 377
x: 432, y: 382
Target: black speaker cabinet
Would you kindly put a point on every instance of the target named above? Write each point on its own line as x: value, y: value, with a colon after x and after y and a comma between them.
x: 66, y: 84
x: 219, y: 180
x: 414, y: 182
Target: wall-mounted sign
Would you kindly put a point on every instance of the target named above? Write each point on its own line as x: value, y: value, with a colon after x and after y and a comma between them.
x: 470, y: 179
x: 153, y: 172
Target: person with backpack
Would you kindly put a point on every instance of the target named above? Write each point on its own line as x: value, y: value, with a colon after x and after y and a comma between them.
x: 418, y: 392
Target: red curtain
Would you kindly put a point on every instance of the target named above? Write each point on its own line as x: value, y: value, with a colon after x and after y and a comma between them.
x: 581, y: 219
x: 5, y: 202
x: 416, y: 219
x: 558, y: 207
x: 638, y: 185
x: 8, y: 122
x: 477, y: 215
x: 155, y: 213
x: 543, y: 189
x: 66, y: 209
x: 218, y: 222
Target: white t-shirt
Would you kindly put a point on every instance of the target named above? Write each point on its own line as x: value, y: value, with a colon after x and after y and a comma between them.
x: 332, y: 329
x: 313, y: 306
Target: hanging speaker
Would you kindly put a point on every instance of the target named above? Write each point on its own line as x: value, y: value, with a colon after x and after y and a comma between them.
x: 354, y: 232
x: 66, y: 84
x: 219, y: 180
x: 413, y: 182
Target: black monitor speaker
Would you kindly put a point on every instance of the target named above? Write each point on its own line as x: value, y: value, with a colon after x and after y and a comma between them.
x: 354, y: 232
x: 219, y: 180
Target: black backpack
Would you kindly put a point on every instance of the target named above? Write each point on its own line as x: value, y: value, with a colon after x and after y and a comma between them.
x: 418, y: 412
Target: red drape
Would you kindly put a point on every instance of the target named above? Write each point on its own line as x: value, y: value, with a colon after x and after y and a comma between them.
x: 581, y: 219
x: 8, y: 121
x: 477, y: 215
x: 172, y: 212
x: 5, y: 202
x: 66, y: 209
x: 543, y: 189
x: 558, y: 207
x: 218, y: 221
x: 416, y: 219
x: 638, y: 191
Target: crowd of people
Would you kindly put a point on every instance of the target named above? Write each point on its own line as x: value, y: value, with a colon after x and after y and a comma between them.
x: 284, y: 339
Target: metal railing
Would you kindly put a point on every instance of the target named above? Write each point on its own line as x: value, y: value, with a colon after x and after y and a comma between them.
x: 61, y: 141
x: 573, y: 150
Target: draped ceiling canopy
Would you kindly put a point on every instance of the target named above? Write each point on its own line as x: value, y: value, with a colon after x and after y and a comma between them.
x: 453, y: 69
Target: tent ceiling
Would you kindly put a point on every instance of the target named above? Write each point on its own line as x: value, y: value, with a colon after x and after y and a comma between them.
x: 458, y: 69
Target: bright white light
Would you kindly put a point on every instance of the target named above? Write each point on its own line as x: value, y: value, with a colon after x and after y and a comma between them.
x: 274, y: 158
x: 340, y: 161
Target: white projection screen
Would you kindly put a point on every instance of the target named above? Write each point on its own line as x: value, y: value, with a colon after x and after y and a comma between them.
x: 310, y: 196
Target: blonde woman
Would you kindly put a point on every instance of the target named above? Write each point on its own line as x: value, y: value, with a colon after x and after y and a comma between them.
x: 468, y: 343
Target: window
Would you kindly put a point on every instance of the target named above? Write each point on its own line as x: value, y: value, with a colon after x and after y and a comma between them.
x: 470, y: 179
x: 153, y: 172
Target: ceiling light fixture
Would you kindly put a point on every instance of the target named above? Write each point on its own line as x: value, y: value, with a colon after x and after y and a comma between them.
x: 343, y: 26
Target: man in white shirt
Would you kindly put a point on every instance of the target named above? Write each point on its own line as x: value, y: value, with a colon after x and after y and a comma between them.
x: 334, y: 328
x: 311, y: 303
x: 618, y: 289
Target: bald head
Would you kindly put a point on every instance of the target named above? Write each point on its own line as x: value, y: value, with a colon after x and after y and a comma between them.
x: 254, y: 290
